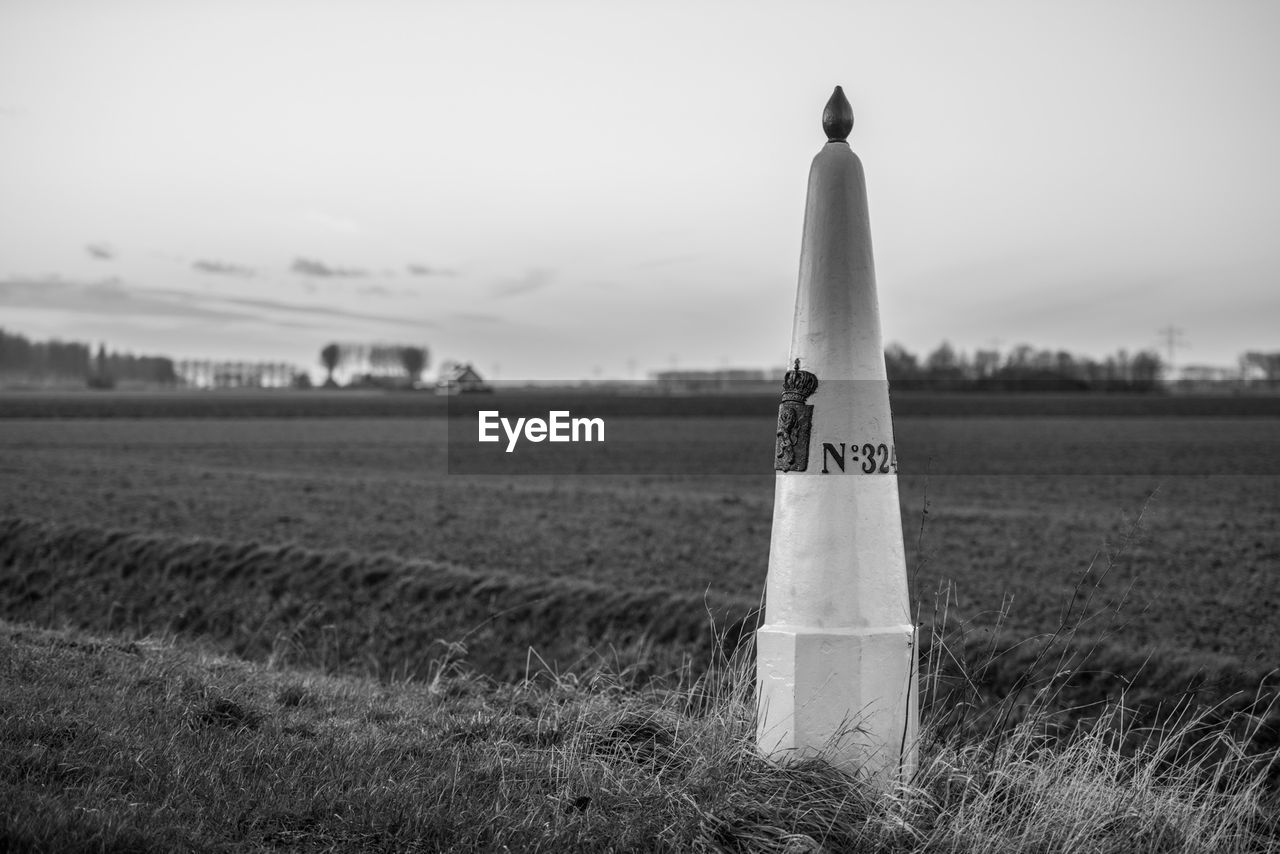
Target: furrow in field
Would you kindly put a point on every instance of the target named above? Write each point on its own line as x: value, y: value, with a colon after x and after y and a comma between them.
x: 338, y: 609
x: 394, y: 617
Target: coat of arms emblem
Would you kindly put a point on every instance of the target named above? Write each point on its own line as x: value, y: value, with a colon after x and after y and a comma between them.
x: 795, y: 417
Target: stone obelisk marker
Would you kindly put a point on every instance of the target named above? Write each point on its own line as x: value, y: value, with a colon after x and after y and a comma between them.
x: 836, y: 660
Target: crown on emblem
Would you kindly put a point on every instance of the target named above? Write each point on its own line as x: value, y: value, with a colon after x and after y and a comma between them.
x: 797, y: 385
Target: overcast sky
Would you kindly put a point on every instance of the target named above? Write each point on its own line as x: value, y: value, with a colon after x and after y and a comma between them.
x: 577, y: 189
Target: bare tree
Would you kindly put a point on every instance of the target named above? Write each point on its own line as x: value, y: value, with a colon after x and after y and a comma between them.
x: 900, y: 363
x: 330, y: 357
x: 414, y: 360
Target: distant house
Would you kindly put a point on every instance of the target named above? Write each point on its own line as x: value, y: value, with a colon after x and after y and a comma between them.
x: 1208, y: 379
x: 460, y: 378
x: 1208, y: 374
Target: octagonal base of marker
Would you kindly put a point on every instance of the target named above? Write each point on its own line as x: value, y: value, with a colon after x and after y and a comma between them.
x: 839, y: 695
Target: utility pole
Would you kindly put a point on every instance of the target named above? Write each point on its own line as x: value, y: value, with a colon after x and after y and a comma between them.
x: 1172, y: 338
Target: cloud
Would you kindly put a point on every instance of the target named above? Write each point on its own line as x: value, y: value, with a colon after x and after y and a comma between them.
x: 222, y: 268
x: 531, y: 281
x: 312, y: 267
x: 101, y: 251
x: 425, y: 270
x: 295, y: 308
x: 113, y: 298
x: 384, y: 291
x: 109, y: 297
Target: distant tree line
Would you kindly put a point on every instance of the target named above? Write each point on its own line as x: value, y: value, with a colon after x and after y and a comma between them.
x: 223, y: 373
x: 373, y: 364
x: 24, y: 360
x: 19, y: 356
x: 1023, y: 368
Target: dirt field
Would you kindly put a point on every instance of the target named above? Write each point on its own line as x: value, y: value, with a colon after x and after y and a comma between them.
x: 1034, y: 506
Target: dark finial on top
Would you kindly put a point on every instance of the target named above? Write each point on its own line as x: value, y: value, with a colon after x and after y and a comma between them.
x: 837, y: 117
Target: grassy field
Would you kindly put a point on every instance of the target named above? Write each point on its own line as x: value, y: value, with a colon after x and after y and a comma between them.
x: 115, y: 745
x: 1011, y: 541
x: 326, y: 532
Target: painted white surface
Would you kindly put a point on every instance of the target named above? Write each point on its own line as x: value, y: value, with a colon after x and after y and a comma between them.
x: 845, y: 695
x: 836, y: 661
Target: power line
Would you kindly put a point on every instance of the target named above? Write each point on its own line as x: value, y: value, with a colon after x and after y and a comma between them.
x: 1172, y: 337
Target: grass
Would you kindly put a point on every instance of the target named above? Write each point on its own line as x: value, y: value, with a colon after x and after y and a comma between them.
x: 376, y: 485
x: 381, y: 616
x: 151, y: 745
x: 337, y: 610
x: 318, y: 403
x: 304, y: 573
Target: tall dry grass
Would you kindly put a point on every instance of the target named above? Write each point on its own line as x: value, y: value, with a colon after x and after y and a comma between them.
x: 389, y: 617
x: 116, y: 745
x: 638, y: 749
